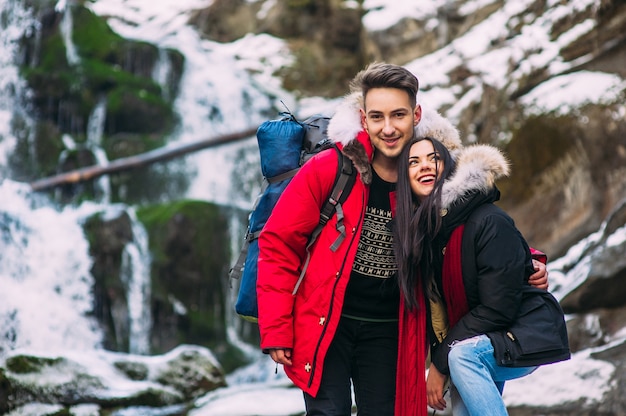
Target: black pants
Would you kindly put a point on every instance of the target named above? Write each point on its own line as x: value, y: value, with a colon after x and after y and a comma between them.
x: 366, y: 353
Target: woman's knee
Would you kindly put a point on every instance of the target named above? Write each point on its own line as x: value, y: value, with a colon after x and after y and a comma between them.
x: 463, y: 350
x: 469, y: 352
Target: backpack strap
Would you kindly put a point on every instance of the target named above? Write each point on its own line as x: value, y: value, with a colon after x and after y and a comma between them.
x: 344, y: 181
x: 236, y: 271
x: 286, y: 175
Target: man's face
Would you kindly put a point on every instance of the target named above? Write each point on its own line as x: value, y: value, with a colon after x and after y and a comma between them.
x: 389, y: 119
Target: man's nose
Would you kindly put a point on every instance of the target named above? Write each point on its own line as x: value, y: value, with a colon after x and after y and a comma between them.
x: 388, y: 128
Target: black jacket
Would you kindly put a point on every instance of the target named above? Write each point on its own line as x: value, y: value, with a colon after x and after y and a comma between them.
x: 496, y: 263
x: 495, y: 258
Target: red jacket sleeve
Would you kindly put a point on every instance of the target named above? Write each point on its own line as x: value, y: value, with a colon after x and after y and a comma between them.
x: 282, y: 247
x: 539, y: 255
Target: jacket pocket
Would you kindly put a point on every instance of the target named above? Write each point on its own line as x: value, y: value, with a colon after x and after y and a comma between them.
x: 538, y: 336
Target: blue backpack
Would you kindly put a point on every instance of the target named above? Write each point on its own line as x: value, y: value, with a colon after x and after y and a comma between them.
x: 285, y: 144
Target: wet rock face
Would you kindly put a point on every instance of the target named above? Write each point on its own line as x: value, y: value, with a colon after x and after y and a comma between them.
x: 566, y: 176
x: 326, y: 38
x: 108, y: 238
x: 190, y: 249
x: 189, y: 246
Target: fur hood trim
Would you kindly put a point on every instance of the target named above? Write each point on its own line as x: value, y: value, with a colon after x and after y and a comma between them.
x: 435, y: 126
x: 477, y: 169
x: 345, y: 124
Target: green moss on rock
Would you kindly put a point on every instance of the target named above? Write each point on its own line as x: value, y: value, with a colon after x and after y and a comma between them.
x: 107, y: 239
x: 190, y: 247
x: 110, y: 66
x: 24, y: 364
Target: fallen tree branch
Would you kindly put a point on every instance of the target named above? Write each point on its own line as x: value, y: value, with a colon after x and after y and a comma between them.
x: 132, y: 162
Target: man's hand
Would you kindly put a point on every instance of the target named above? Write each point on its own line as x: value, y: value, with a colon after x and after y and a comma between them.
x: 540, y: 277
x: 434, y: 388
x: 281, y: 355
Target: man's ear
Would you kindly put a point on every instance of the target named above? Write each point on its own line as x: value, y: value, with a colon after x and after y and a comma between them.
x: 417, y: 114
x: 363, y: 119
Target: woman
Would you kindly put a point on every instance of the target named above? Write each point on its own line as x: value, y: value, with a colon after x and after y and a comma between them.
x: 461, y: 267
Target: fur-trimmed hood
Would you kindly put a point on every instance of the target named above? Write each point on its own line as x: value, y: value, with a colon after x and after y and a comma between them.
x: 477, y: 169
x: 478, y: 166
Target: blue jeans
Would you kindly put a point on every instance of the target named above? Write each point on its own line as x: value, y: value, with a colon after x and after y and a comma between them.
x: 365, y: 353
x: 477, y: 381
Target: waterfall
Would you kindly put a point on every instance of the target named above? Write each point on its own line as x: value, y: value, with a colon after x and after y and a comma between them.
x: 15, y: 22
x: 225, y: 88
x: 45, y: 255
x: 67, y: 23
x: 135, y: 273
x: 45, y: 299
x: 95, y: 128
x: 161, y: 73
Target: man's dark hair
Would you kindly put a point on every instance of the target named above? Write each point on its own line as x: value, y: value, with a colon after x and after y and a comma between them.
x: 383, y: 75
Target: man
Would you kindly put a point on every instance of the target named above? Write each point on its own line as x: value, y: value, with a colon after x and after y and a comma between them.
x: 341, y: 325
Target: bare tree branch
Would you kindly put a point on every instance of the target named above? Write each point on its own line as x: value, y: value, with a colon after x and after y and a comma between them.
x: 133, y: 162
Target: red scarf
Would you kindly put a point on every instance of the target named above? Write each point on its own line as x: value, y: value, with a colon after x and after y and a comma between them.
x: 411, y: 369
x: 412, y: 341
x: 452, y: 278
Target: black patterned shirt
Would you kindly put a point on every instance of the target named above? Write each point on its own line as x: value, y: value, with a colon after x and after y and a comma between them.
x: 372, y: 293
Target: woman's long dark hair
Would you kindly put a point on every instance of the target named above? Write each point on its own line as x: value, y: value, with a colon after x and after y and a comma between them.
x: 417, y: 223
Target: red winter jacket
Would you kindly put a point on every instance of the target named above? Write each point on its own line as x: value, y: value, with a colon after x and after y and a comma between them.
x: 307, y: 322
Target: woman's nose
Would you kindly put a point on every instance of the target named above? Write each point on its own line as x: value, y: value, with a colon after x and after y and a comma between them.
x: 426, y: 164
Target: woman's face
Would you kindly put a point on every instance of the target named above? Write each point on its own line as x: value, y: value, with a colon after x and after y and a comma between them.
x: 425, y: 167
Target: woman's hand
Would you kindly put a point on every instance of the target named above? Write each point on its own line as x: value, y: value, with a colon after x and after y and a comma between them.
x: 434, y: 388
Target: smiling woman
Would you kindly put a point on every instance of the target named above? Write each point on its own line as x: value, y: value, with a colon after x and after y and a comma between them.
x: 425, y: 166
x: 461, y: 259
